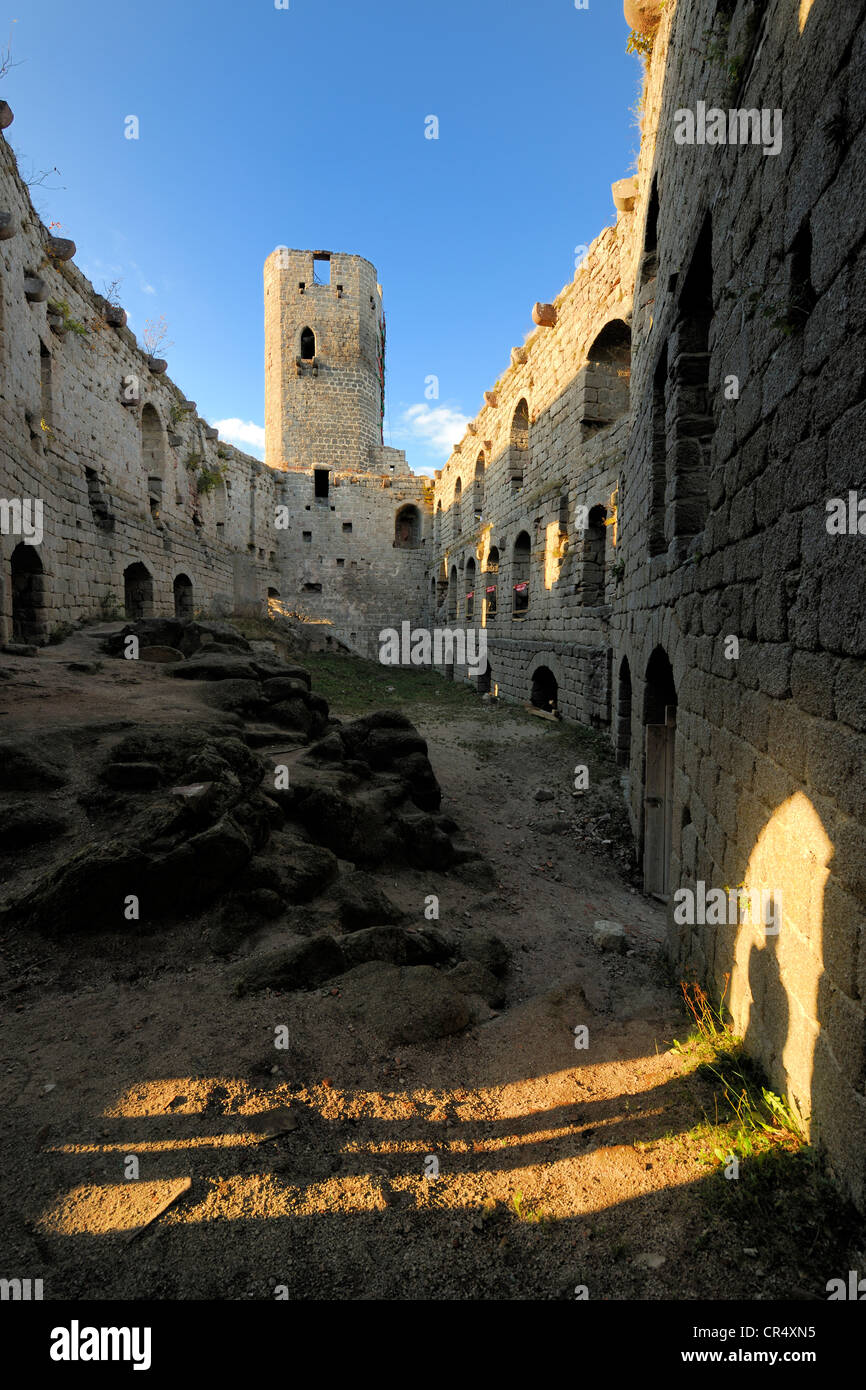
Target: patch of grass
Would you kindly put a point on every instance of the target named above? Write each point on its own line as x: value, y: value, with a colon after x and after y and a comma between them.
x: 777, y: 1189
x: 534, y: 1215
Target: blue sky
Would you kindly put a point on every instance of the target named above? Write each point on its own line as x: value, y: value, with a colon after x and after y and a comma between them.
x: 304, y: 126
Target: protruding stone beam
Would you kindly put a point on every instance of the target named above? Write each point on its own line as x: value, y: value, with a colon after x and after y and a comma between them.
x: 157, y: 365
x: 624, y: 194
x: 60, y: 248
x: 7, y: 116
x: 471, y: 428
x: 35, y: 289
x: 544, y: 315
x: 8, y: 225
x: 491, y: 398
x: 56, y: 320
x: 518, y: 356
x: 210, y: 432
x: 114, y: 316
x: 643, y: 15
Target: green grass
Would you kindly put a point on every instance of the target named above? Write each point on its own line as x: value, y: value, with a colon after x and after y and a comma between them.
x: 781, y: 1196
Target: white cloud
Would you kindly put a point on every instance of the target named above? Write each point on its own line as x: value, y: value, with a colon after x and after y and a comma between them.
x: 147, y: 289
x: 244, y: 433
x: 438, y: 426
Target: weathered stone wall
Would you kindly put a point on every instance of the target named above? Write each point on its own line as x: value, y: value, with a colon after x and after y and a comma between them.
x: 655, y: 463
x: 340, y: 560
x: 511, y: 478
x: 741, y: 275
x: 325, y: 409
x: 88, y: 429
x: 769, y: 753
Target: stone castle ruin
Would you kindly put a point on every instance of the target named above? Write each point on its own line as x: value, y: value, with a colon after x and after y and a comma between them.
x: 636, y: 517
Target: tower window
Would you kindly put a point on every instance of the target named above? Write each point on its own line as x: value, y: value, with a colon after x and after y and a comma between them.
x: 307, y: 535
x: 321, y: 479
x: 308, y: 345
x: 321, y: 270
x: 347, y: 527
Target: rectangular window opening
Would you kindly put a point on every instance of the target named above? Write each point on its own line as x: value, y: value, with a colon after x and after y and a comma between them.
x: 321, y: 270
x: 321, y: 483
x: 347, y: 528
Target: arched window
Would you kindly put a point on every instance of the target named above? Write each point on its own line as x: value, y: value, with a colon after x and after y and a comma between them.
x: 689, y: 400
x: 220, y: 499
x: 606, y: 376
x: 138, y: 591
x: 153, y: 456
x: 520, y: 575
x: 544, y: 691
x: 452, y: 594
x: 183, y: 606
x: 308, y: 344
x: 470, y: 587
x: 490, y: 587
x: 478, y: 490
x: 660, y: 718
x: 407, y: 528
x: 28, y: 595
x: 623, y: 715
x: 519, y: 445
x: 457, y: 523
x: 592, y: 570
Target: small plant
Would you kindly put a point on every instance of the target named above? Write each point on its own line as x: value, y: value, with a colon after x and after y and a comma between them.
x: 193, y: 462
x: 155, y: 336
x: 60, y: 633
x: 618, y: 571
x: 642, y: 44
x: 71, y: 325
x: 177, y: 412
x: 207, y: 479
x: 111, y: 292
x: 532, y: 1214
x: 109, y: 608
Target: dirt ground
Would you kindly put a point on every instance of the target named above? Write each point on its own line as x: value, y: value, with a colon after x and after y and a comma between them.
x: 504, y: 1162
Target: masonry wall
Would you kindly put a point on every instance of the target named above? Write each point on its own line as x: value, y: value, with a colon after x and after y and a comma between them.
x: 769, y: 765
x: 727, y: 264
x: 505, y: 481
x: 325, y: 410
x: 342, y: 561
x: 103, y: 441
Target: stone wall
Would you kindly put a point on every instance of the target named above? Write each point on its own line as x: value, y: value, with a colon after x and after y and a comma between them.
x: 102, y: 438
x: 654, y: 464
x: 754, y: 269
x: 725, y: 648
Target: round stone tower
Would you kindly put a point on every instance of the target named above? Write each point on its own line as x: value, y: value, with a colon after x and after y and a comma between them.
x: 324, y: 361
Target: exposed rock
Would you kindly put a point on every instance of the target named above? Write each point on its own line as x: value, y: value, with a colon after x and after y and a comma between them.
x: 29, y: 824
x: 25, y: 767
x: 396, y: 945
x: 362, y: 903
x: 609, y: 936
x: 303, y: 962
x: 472, y: 977
x: 404, y: 1004
x: 489, y: 950
x: 132, y: 776
x: 160, y: 656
